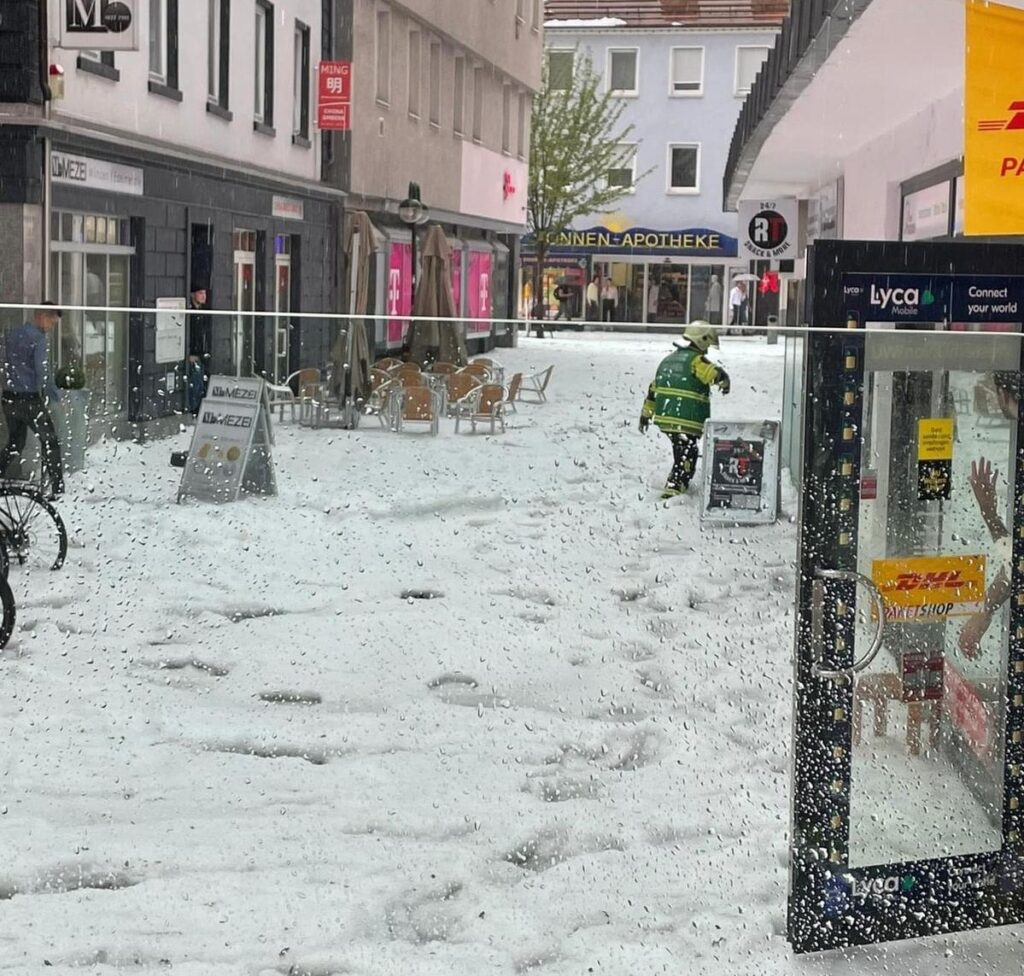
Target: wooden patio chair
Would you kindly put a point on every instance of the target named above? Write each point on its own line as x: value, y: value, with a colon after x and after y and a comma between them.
x: 496, y: 370
x: 409, y: 375
x: 418, y: 405
x: 488, y: 407
x: 462, y: 388
x: 388, y: 362
x: 536, y: 385
x: 513, y: 390
x: 479, y: 370
x: 443, y: 369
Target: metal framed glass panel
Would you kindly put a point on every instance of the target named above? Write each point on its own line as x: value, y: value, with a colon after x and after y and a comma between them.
x: 909, y: 731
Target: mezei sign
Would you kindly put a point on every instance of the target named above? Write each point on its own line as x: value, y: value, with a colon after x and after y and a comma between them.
x: 934, y: 298
x: 98, y: 25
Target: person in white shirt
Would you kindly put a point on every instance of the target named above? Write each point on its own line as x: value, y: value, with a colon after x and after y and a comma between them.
x: 593, y: 298
x: 738, y: 304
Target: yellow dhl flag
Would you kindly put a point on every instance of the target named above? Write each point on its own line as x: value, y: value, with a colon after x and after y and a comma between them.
x: 930, y: 588
x: 994, y: 119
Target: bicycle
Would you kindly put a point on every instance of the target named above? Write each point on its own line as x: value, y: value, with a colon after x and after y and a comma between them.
x: 31, y: 528
x: 7, y: 604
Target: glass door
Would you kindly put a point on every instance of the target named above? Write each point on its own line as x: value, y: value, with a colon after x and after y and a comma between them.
x: 243, y: 344
x: 282, y: 306
x: 909, y: 730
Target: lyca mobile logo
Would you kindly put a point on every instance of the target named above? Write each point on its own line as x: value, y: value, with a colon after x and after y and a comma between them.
x: 881, y: 887
x: 902, y: 298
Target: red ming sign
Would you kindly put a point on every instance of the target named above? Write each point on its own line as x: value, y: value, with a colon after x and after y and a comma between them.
x: 334, y: 95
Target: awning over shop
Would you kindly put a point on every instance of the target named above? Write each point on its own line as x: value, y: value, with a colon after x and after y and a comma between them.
x: 842, y: 74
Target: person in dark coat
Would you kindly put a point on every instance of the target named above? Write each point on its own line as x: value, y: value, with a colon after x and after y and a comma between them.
x: 199, y: 350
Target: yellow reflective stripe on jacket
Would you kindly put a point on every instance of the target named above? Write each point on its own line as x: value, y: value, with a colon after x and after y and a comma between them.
x: 704, y: 371
x: 686, y: 394
x: 678, y: 425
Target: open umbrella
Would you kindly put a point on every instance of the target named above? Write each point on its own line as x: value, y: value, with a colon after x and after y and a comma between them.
x: 745, y: 277
x: 432, y: 342
x: 351, y: 352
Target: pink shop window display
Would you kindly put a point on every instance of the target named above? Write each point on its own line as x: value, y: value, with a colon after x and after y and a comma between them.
x: 478, y: 293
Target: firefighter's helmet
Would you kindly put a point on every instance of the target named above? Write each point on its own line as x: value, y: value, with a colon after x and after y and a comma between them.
x: 702, y: 335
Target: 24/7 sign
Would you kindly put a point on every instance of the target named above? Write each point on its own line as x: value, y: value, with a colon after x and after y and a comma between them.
x: 769, y: 228
x: 98, y: 25
x: 334, y: 95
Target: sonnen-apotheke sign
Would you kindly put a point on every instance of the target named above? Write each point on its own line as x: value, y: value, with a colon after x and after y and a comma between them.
x: 691, y: 242
x: 98, y: 25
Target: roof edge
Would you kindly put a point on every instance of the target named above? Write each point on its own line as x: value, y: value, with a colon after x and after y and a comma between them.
x: 809, y: 35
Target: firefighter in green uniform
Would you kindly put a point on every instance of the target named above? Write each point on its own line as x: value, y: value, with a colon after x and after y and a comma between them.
x: 679, y: 400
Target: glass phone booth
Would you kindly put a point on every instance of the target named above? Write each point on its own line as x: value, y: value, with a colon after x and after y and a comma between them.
x: 909, y: 730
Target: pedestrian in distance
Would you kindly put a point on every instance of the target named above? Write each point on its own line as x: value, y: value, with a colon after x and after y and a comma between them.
x: 713, y: 305
x: 593, y: 299
x: 738, y: 304
x: 679, y: 400
x: 563, y: 294
x: 653, y: 296
x: 609, y: 300
x: 28, y: 393
x: 200, y: 348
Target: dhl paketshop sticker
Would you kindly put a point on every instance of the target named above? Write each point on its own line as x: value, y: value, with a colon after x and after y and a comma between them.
x: 935, y: 439
x: 930, y: 588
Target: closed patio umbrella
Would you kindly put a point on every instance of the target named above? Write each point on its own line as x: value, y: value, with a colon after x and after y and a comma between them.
x: 432, y: 342
x: 351, y: 352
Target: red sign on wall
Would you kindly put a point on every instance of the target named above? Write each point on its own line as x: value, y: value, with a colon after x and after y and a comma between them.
x: 334, y: 95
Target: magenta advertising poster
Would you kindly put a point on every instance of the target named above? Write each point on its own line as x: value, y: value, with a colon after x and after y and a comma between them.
x: 479, y: 292
x: 457, y: 280
x: 399, y: 292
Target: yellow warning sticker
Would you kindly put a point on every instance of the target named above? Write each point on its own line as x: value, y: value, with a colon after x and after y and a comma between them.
x: 935, y: 439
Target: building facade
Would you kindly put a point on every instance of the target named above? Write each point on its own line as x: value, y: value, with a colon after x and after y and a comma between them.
x: 442, y: 98
x: 192, y: 162
x: 683, y: 72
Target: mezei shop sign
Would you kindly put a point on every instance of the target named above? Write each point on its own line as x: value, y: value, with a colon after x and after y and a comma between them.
x: 934, y: 298
x: 691, y: 242
x: 96, y: 174
x: 98, y: 25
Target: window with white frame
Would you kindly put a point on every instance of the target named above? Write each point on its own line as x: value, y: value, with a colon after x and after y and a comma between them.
x: 622, y: 71
x: 217, y: 52
x: 435, y: 82
x: 684, y: 167
x: 506, y: 119
x: 686, y: 67
x: 158, y: 40
x: 459, y: 96
x: 561, y: 66
x: 384, y: 56
x: 415, y: 72
x: 479, y: 81
x: 300, y: 86
x: 525, y: 107
x: 622, y: 173
x: 263, y: 76
x: 748, y: 64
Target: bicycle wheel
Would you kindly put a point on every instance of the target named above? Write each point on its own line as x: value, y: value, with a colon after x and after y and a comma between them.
x: 5, y: 557
x: 34, y: 532
x: 9, y: 612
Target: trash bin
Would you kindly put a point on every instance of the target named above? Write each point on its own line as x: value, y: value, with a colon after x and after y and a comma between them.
x: 773, y: 330
x: 71, y: 416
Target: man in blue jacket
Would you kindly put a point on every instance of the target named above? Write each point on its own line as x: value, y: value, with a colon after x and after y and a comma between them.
x: 29, y: 388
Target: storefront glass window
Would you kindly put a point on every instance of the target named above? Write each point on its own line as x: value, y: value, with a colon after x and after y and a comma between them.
x: 91, y: 266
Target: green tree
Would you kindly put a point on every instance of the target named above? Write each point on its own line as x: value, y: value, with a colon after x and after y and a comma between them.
x: 576, y: 141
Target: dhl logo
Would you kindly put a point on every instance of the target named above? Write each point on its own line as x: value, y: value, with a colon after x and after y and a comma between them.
x: 948, y: 580
x: 1015, y: 121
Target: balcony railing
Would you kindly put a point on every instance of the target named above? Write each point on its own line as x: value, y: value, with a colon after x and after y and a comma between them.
x: 673, y: 13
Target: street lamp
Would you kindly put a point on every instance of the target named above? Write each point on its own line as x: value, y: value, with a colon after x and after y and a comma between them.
x: 413, y: 212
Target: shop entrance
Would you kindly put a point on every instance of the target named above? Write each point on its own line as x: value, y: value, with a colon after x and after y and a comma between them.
x: 243, y: 344
x: 909, y: 732
x: 282, y: 306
